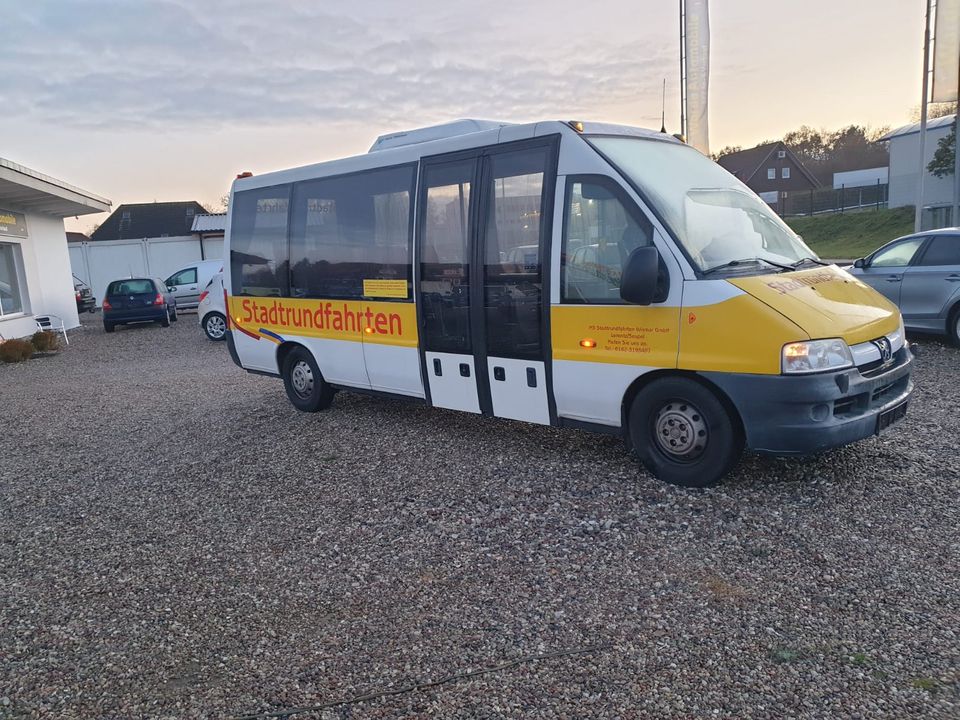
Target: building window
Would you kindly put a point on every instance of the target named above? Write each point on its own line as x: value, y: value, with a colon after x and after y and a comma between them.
x: 771, y: 173
x: 781, y: 154
x: 785, y: 173
x: 11, y: 285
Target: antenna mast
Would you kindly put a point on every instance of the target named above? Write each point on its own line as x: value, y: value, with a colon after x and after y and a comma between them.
x: 683, y: 69
x: 663, y: 108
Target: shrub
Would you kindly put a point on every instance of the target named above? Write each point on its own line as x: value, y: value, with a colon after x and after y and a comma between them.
x: 12, y: 351
x: 45, y: 341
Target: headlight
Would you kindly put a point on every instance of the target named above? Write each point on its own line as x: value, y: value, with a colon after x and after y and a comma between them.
x: 816, y: 356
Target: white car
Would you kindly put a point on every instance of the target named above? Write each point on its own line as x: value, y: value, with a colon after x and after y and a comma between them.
x: 211, y: 311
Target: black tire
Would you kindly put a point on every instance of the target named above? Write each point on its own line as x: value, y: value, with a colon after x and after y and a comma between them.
x: 166, y: 317
x: 108, y: 327
x: 215, y: 326
x: 173, y: 314
x: 953, y: 326
x: 683, y: 433
x: 305, y: 386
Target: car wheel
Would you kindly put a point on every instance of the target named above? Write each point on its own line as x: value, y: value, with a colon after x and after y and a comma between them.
x: 953, y: 326
x: 305, y: 386
x: 215, y: 326
x: 683, y: 433
x: 108, y: 327
x: 165, y: 322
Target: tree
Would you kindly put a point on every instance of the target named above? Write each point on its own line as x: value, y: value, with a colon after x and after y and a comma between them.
x: 934, y: 110
x: 945, y: 157
x: 225, y: 202
x: 728, y: 150
x: 824, y: 152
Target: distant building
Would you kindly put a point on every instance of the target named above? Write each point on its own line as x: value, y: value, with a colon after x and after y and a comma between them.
x: 149, y: 220
x: 76, y: 237
x: 905, y: 170
x: 861, y: 178
x: 209, y: 230
x: 34, y: 263
x: 769, y: 169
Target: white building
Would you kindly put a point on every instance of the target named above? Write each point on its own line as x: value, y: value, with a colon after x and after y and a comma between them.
x: 35, y: 274
x: 905, y: 165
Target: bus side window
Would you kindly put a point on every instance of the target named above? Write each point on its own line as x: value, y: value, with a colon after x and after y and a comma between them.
x: 258, y: 241
x: 348, y: 229
x: 600, y: 232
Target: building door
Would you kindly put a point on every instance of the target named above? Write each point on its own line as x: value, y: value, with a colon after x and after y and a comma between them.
x: 484, y: 231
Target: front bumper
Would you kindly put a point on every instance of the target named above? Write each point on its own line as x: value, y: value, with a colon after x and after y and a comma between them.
x: 806, y: 414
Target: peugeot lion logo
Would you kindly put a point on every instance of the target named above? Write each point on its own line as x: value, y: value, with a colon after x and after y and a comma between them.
x: 886, y: 351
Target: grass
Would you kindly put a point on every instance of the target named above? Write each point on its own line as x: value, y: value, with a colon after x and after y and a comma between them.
x: 853, y: 234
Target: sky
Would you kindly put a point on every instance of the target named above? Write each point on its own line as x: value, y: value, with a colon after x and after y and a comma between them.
x: 143, y: 100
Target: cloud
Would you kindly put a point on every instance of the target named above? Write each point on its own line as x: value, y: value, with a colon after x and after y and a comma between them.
x: 165, y: 64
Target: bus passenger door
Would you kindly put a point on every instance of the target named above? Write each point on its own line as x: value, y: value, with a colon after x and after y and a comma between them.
x: 512, y: 342
x: 445, y: 224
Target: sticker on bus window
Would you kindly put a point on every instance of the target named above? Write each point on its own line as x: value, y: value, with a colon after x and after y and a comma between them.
x: 385, y: 288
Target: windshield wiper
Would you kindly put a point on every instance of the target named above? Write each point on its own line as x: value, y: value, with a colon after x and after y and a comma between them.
x: 746, y: 261
x: 801, y: 261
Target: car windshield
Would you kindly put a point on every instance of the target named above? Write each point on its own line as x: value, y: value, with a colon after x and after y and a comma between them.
x: 718, y: 220
x: 131, y: 287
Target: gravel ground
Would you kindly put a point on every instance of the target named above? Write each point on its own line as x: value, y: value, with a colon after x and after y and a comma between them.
x: 177, y: 542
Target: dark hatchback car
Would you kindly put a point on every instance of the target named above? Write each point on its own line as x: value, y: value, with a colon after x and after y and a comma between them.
x: 138, y: 300
x: 86, y: 302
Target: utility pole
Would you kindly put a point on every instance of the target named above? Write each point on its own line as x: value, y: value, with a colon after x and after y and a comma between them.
x: 955, y: 217
x: 922, y: 141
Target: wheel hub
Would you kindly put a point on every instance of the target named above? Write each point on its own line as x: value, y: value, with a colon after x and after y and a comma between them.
x: 216, y: 327
x: 302, y: 379
x: 680, y: 430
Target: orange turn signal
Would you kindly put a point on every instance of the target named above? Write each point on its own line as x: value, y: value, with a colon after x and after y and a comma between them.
x: 588, y: 343
x: 368, y: 330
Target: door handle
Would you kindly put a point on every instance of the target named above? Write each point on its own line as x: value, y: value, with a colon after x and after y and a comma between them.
x: 499, y: 374
x: 531, y: 377
x: 953, y: 278
x: 893, y: 278
x: 437, y: 370
x: 464, y: 370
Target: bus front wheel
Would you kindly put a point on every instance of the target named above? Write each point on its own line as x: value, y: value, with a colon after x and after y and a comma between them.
x: 682, y: 432
x: 305, y: 386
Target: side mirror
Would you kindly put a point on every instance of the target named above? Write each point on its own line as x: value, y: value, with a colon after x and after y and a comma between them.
x: 638, y: 284
x: 171, y: 288
x: 859, y: 263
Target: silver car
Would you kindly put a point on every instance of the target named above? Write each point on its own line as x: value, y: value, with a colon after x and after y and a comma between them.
x: 921, y: 274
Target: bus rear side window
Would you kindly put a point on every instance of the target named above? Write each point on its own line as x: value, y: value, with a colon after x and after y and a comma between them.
x: 258, y: 241
x: 349, y: 229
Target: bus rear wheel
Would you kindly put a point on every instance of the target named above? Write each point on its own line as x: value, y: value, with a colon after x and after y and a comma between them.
x: 683, y: 434
x: 305, y: 386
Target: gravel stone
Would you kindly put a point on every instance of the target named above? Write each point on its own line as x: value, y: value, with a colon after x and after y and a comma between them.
x: 176, y: 541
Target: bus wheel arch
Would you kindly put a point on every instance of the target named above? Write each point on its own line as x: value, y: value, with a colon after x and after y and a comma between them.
x: 306, y: 387
x: 665, y: 413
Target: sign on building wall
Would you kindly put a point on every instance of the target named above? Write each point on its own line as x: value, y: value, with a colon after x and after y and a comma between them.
x: 13, y: 224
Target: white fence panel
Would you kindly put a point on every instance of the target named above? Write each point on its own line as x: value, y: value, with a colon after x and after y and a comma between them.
x: 99, y: 263
x: 167, y: 255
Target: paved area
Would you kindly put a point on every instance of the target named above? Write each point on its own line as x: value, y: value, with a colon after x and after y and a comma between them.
x: 177, y: 542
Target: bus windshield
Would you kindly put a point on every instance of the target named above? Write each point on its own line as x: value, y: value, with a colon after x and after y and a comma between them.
x: 718, y: 220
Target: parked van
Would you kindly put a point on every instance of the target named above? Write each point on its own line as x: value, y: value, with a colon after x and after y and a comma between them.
x: 186, y: 283
x: 572, y: 274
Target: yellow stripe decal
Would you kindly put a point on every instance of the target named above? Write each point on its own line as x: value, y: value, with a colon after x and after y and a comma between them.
x: 384, y: 323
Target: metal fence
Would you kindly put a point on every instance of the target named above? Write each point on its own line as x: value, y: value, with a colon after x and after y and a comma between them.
x: 832, y: 200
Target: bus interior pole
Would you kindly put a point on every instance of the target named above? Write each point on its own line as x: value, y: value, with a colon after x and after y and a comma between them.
x: 922, y: 140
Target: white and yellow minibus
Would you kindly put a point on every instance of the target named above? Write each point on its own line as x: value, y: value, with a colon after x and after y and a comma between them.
x: 574, y: 274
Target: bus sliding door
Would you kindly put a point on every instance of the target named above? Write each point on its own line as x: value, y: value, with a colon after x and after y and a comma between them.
x: 483, y: 235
